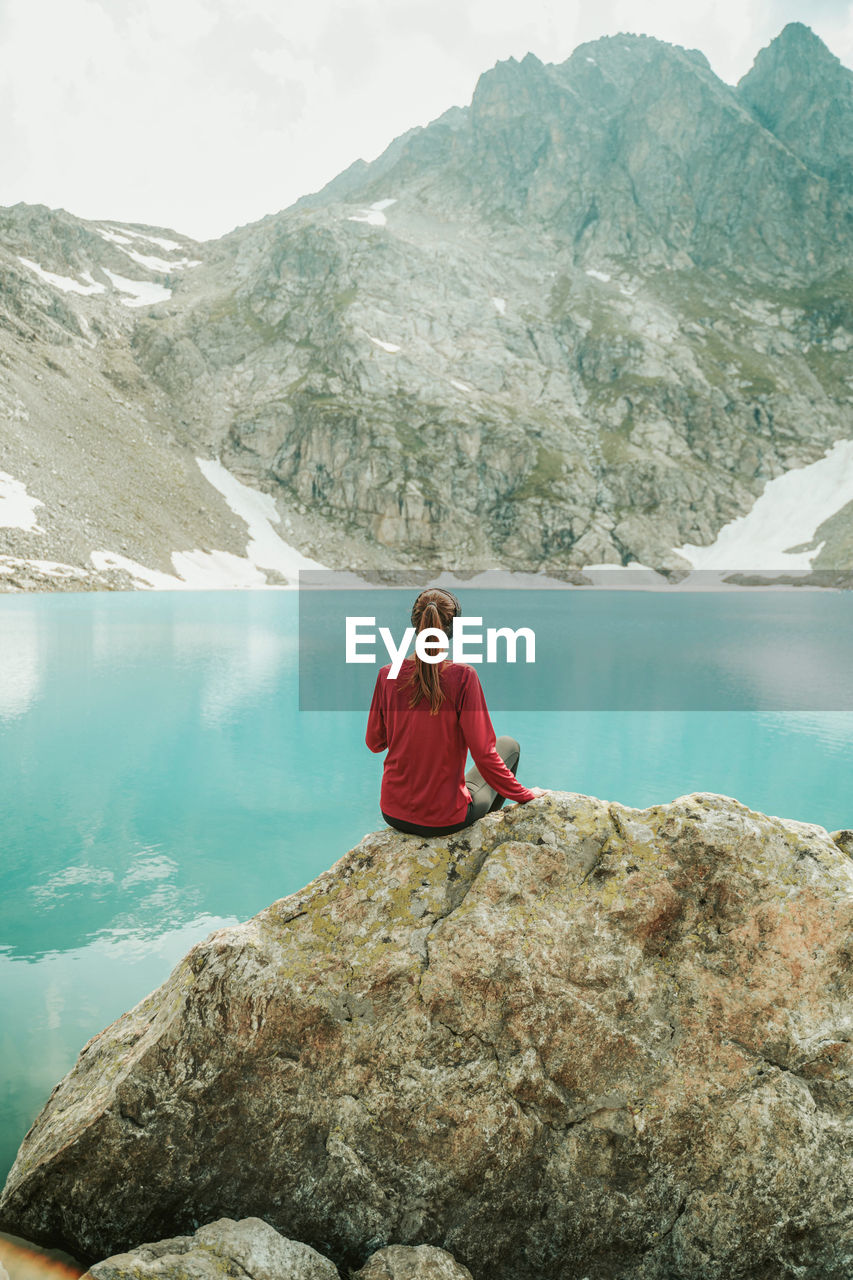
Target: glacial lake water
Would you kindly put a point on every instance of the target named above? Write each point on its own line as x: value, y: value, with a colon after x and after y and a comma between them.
x: 157, y: 780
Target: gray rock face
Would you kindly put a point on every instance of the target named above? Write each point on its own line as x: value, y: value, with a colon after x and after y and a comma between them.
x: 218, y: 1251
x: 404, y: 1262
x: 576, y: 1039
x: 804, y: 96
x: 582, y: 417
x: 81, y: 427
x: 595, y: 313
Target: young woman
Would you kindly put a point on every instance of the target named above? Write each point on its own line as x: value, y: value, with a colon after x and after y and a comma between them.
x: 429, y: 718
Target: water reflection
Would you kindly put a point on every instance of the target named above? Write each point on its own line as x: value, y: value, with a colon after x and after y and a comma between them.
x: 51, y: 1007
x: 832, y: 729
x: 248, y: 671
x: 159, y: 766
x: 20, y: 674
x: 63, y: 883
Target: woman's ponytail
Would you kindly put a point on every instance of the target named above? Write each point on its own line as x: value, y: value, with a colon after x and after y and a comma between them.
x: 433, y: 610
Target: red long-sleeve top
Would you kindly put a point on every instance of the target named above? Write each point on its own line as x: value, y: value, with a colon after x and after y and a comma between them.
x: 423, y: 780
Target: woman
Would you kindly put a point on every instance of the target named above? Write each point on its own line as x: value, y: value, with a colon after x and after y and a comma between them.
x: 429, y: 718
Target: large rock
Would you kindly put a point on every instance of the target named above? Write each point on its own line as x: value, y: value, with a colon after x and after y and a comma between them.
x: 575, y: 1040
x: 219, y: 1251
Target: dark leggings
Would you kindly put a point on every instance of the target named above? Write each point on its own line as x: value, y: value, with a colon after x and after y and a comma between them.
x: 484, y: 799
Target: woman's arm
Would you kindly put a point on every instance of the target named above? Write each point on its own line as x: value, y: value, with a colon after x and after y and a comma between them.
x: 480, y: 738
x: 376, y: 736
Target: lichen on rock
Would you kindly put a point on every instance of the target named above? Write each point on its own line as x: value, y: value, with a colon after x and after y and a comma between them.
x: 218, y: 1251
x: 574, y: 1039
x: 405, y: 1262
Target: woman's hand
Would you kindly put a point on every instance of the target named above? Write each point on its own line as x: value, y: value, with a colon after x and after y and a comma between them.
x: 537, y: 792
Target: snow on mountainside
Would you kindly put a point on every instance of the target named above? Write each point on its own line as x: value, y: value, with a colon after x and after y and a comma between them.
x: 602, y: 316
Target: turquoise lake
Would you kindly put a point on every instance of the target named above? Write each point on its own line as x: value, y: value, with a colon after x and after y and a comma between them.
x: 157, y: 780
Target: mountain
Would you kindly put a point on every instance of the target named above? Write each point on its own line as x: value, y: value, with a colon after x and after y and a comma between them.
x: 587, y: 318
x: 803, y: 95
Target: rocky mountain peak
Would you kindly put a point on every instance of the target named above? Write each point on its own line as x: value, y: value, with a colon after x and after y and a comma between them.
x: 622, y: 281
x: 797, y: 39
x: 795, y: 59
x: 510, y: 85
x: 801, y: 92
x: 528, y: 67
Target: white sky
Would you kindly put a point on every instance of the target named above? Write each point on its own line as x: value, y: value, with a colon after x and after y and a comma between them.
x: 201, y: 115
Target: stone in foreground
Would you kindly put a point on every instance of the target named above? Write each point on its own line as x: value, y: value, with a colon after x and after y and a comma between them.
x: 404, y: 1262
x: 573, y: 1040
x: 250, y: 1248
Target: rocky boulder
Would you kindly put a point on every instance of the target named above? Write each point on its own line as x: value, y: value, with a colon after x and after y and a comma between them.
x: 218, y: 1251
x: 403, y: 1262
x: 574, y: 1040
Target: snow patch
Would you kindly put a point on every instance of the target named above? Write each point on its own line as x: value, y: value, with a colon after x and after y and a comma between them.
x: 599, y: 275
x: 17, y: 508
x: 371, y: 216
x: 216, y: 570
x: 194, y: 571
x: 787, y: 514
x: 386, y: 346
x: 144, y: 293
x: 114, y: 236
x: 266, y: 549
x: 124, y: 236
x: 52, y: 568
x: 374, y: 216
x: 160, y: 241
x: 142, y: 577
x: 146, y: 260
x: 222, y: 570
x: 500, y: 305
x: 161, y: 264
x: 65, y: 283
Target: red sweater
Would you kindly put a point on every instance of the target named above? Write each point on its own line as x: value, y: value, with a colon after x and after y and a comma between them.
x: 423, y: 781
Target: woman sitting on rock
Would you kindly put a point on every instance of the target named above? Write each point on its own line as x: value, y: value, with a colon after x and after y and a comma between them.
x: 429, y: 718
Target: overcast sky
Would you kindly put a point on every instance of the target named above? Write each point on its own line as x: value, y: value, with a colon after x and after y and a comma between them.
x: 201, y: 115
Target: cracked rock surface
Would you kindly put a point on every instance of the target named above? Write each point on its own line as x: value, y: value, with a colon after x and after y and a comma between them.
x: 574, y: 1040
x: 402, y: 1262
x: 250, y: 1249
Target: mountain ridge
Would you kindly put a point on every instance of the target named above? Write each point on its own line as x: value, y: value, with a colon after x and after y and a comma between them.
x: 585, y: 319
x: 531, y: 73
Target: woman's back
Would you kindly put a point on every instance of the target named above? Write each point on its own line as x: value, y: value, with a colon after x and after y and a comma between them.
x: 423, y: 780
